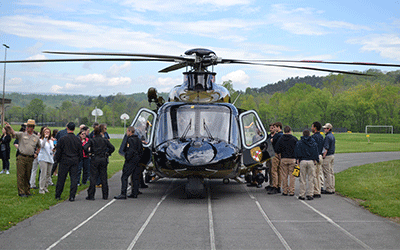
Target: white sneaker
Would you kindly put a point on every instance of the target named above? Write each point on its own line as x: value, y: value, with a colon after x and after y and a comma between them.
x: 8, y: 172
x: 2, y: 172
x: 42, y: 192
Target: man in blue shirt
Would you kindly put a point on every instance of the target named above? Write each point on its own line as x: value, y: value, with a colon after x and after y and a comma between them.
x: 319, y: 139
x: 328, y: 158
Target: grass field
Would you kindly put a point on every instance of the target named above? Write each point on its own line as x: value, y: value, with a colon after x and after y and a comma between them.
x: 378, y: 187
x: 375, y: 186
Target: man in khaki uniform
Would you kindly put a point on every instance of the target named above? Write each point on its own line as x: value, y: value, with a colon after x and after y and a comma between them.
x: 29, y: 147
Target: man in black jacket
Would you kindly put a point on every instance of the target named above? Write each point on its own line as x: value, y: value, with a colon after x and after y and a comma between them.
x: 319, y: 139
x: 69, y: 153
x: 307, y: 156
x: 133, y: 152
x: 285, y: 147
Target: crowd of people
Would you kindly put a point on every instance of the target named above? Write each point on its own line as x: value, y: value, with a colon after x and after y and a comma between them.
x: 82, y: 156
x: 314, y: 155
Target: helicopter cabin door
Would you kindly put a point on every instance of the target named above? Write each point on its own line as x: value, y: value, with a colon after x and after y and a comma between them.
x: 253, y: 136
x: 144, y: 126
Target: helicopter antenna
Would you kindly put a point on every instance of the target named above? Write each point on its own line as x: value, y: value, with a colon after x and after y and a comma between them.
x: 236, y: 99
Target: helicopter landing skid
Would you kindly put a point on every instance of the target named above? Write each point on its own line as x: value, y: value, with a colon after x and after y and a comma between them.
x: 195, y: 188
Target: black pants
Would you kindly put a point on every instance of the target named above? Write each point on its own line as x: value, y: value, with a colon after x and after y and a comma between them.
x: 130, y: 168
x: 63, y: 170
x: 98, y: 168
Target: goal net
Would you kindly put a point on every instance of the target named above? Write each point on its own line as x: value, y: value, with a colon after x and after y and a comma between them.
x: 382, y: 129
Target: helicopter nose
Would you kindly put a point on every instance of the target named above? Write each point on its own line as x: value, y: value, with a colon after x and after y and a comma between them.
x: 200, y: 152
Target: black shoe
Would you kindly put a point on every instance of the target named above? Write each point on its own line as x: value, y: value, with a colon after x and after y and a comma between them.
x: 144, y: 186
x: 317, y: 196
x: 301, y: 198
x: 139, y: 192
x: 71, y: 199
x: 291, y: 194
x: 90, y: 198
x: 327, y: 192
x: 22, y: 195
x: 284, y: 194
x: 134, y: 196
x: 251, y: 185
x: 120, y: 197
x: 273, y: 191
x: 309, y: 198
x: 278, y: 190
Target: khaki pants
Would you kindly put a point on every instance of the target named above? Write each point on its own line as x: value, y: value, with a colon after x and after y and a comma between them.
x: 287, y: 168
x: 24, y: 168
x: 327, y: 166
x: 275, y: 171
x: 307, y: 175
x: 45, y: 172
x: 318, y: 178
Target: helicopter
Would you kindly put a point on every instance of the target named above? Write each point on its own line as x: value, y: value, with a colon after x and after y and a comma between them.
x: 198, y: 133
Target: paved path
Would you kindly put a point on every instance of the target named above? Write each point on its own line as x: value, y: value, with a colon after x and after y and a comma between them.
x: 232, y: 216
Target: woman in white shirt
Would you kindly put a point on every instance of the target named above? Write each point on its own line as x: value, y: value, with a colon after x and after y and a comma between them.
x: 45, y: 159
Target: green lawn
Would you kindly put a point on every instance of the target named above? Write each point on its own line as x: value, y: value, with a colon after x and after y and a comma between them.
x: 375, y: 186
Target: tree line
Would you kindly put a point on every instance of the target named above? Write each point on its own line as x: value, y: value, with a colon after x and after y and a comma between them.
x: 346, y: 101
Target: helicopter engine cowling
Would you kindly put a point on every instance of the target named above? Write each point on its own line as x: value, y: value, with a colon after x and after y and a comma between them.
x: 197, y: 154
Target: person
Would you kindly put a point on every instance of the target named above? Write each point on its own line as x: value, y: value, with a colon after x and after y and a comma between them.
x: 84, y: 165
x: 99, y: 149
x: 35, y: 166
x: 276, y: 161
x: 69, y: 153
x: 285, y: 147
x: 54, y: 168
x: 45, y: 159
x: 328, y: 158
x: 319, y: 139
x: 133, y: 150
x: 257, y: 169
x: 306, y: 153
x: 5, y: 150
x: 268, y: 164
x: 29, y: 147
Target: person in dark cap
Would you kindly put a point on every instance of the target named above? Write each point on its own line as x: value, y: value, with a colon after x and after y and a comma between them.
x: 69, y: 153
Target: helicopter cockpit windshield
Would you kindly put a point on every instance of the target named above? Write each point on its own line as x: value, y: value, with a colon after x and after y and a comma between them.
x: 197, y: 121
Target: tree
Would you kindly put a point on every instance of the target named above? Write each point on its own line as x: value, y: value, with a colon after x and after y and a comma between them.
x: 36, y: 108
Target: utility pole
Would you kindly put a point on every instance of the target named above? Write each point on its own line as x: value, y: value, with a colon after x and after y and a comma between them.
x: 4, y: 85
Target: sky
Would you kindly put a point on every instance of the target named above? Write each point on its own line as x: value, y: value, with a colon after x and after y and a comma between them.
x: 355, y: 31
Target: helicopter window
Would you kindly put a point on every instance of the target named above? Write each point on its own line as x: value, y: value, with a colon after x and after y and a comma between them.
x: 188, y: 121
x: 252, y: 131
x: 143, y: 126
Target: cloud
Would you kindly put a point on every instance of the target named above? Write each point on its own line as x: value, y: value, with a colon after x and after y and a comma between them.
x: 387, y: 45
x: 307, y: 21
x: 165, y: 84
x: 116, y: 70
x: 188, y: 6
x: 238, y: 77
x: 14, y: 81
x: 56, y: 89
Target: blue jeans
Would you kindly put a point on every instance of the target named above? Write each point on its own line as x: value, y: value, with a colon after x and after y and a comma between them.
x: 84, y: 166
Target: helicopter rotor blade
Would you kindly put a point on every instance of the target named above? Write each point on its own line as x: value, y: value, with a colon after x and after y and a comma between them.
x: 115, y: 54
x: 298, y: 67
x: 89, y: 60
x: 173, y: 67
x: 326, y: 62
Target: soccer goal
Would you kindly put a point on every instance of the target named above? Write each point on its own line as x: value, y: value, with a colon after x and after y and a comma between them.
x: 379, y: 129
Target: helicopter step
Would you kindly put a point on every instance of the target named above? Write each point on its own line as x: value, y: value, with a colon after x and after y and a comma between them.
x: 195, y: 187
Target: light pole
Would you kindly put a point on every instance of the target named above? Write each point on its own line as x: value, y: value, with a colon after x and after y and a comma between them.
x: 4, y: 85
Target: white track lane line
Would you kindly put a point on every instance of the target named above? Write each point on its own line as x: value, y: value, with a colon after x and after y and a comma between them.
x: 83, y: 223
x: 336, y: 225
x: 210, y: 219
x: 141, y: 230
x: 285, y: 244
